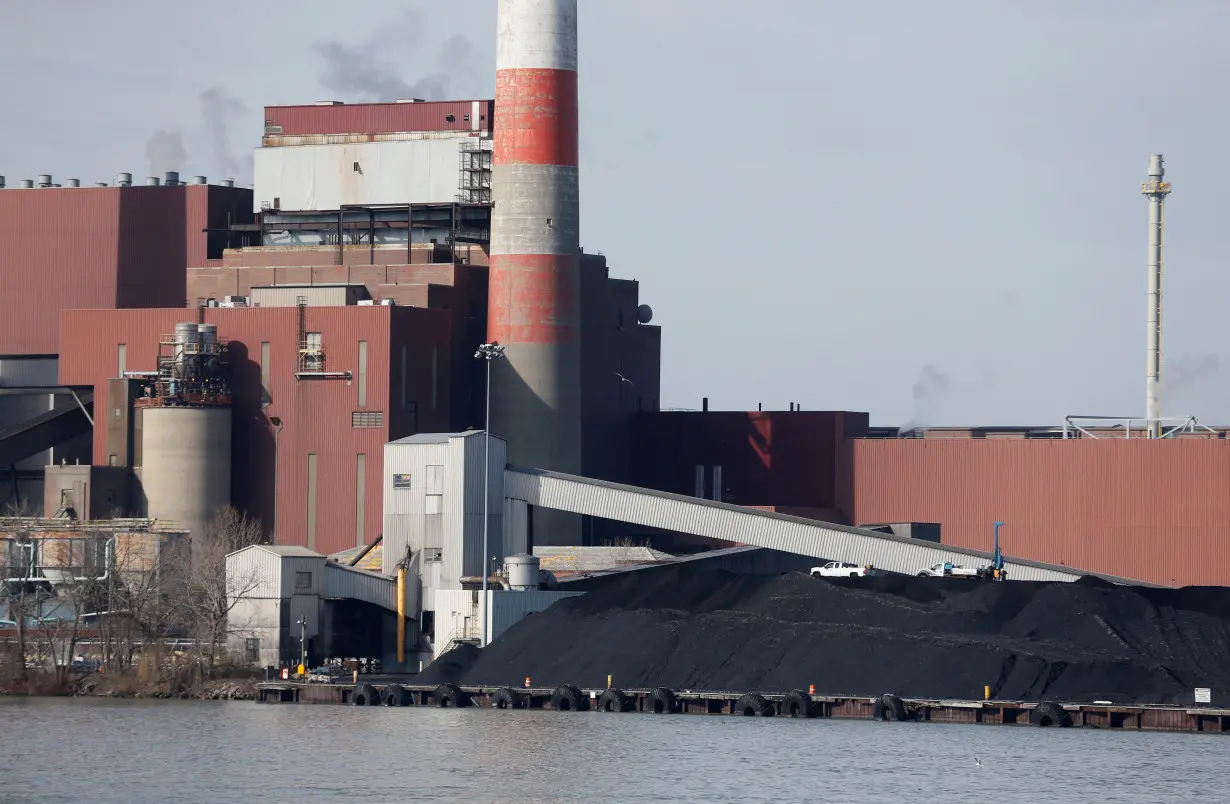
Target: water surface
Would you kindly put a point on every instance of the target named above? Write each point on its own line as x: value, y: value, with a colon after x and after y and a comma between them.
x: 102, y: 751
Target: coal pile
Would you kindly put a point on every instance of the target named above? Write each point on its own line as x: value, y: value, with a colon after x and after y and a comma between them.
x: 917, y: 637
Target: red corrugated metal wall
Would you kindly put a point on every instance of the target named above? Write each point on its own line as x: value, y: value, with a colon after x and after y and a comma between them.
x: 1153, y: 510
x: 95, y: 248
x: 376, y: 118
x: 315, y: 414
x: 58, y: 250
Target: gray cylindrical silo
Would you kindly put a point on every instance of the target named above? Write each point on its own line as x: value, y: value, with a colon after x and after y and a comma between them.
x: 186, y: 464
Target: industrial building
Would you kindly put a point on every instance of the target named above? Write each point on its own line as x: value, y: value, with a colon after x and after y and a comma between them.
x: 314, y: 395
x: 457, y: 561
x: 306, y: 351
x: 62, y: 247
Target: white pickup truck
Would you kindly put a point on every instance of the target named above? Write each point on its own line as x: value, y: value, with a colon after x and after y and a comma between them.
x: 944, y: 569
x: 841, y: 569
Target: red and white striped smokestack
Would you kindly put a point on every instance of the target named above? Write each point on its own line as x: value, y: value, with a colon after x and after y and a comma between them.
x: 534, y: 288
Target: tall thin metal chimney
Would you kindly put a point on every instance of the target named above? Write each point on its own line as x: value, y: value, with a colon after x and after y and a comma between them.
x: 1156, y: 190
x: 533, y: 296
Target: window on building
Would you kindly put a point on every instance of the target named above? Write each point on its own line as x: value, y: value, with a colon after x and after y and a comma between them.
x: 311, y: 501
x: 435, y: 490
x: 122, y: 358
x: 303, y: 581
x: 265, y: 372
x: 360, y: 499
x: 362, y: 374
x: 312, y: 355
x: 252, y: 650
x: 367, y: 419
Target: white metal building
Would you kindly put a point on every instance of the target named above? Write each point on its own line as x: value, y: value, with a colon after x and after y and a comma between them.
x: 433, y: 508
x: 270, y: 588
x: 303, y: 178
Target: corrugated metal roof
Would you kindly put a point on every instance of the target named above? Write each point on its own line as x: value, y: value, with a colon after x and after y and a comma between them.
x: 288, y: 550
x: 594, y: 559
x: 734, y: 523
x: 352, y: 584
x: 438, y: 438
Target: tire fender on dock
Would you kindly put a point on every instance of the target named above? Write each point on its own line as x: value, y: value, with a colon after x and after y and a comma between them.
x: 507, y: 698
x: 889, y: 707
x: 662, y: 701
x: 1049, y: 713
x: 364, y: 695
x: 396, y: 695
x: 568, y: 698
x: 450, y: 695
x: 614, y: 700
x: 798, y: 704
x: 753, y: 704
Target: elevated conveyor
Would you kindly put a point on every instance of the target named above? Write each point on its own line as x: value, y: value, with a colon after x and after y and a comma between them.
x: 45, y: 431
x: 733, y: 523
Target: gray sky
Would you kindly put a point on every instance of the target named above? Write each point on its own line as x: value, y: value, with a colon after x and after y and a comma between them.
x: 930, y: 211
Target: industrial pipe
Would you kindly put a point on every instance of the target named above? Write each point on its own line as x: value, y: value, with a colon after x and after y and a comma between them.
x: 401, y: 616
x: 1156, y: 190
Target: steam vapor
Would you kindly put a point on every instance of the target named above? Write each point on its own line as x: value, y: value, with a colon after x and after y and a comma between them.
x: 929, y: 390
x: 165, y: 152
x: 219, y: 109
x: 363, y: 71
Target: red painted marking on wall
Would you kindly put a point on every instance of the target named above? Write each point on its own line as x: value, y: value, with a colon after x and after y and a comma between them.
x: 537, y: 112
x: 533, y: 299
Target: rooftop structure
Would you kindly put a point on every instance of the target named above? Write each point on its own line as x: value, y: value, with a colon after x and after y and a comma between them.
x: 332, y: 156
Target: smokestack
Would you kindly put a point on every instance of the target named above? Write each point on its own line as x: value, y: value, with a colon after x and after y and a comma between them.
x: 1156, y: 190
x: 535, y: 241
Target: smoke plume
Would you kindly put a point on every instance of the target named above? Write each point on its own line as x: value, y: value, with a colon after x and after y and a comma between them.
x: 165, y: 152
x: 219, y: 110
x: 365, y: 72
x: 1183, y: 372
x: 929, y: 392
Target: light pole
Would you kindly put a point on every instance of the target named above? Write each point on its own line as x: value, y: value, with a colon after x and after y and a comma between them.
x: 302, y: 645
x: 488, y: 352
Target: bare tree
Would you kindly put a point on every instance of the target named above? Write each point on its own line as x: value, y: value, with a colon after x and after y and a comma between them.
x: 206, y: 596
x: 74, y: 587
x: 19, y: 595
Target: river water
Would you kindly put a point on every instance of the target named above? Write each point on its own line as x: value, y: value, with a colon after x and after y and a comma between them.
x: 101, y: 751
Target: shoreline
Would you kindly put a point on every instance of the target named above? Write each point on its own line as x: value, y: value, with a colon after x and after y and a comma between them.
x: 125, y: 686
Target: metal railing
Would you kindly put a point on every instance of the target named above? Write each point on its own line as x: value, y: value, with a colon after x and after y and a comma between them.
x: 1082, y: 426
